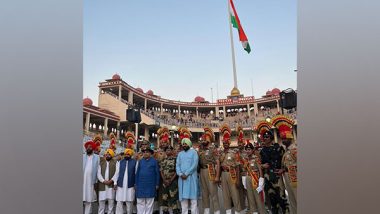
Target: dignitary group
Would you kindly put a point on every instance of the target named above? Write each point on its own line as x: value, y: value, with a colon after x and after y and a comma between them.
x: 250, y: 178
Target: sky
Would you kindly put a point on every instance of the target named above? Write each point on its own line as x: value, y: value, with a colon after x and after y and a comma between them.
x: 181, y: 49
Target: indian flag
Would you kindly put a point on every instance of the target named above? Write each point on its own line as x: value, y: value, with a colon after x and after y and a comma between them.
x: 236, y: 24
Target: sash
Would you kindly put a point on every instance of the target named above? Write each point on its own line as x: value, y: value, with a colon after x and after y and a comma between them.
x: 211, y: 172
x: 233, y: 174
x: 292, y: 174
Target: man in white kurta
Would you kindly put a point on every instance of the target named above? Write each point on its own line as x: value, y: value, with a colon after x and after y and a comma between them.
x: 90, y: 168
x: 123, y: 192
x: 106, y: 190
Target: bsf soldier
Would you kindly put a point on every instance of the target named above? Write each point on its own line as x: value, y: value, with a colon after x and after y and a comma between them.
x: 289, y: 160
x: 241, y: 157
x: 271, y: 158
x: 254, y: 181
x: 209, y: 172
x: 230, y: 174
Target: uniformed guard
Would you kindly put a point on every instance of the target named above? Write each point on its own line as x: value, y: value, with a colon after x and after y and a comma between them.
x: 241, y: 157
x: 254, y: 182
x: 271, y: 162
x: 230, y: 174
x: 209, y: 172
x: 289, y: 161
x: 160, y: 156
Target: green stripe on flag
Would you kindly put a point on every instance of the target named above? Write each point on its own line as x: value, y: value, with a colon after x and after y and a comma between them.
x: 234, y: 22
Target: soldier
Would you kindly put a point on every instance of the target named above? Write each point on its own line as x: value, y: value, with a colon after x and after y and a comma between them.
x: 289, y: 161
x: 160, y: 156
x: 254, y: 181
x: 169, y: 184
x: 271, y: 158
x: 243, y: 172
x: 230, y: 164
x: 209, y: 172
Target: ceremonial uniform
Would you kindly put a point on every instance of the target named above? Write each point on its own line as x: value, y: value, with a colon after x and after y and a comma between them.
x: 209, y: 172
x: 230, y: 174
x: 289, y: 162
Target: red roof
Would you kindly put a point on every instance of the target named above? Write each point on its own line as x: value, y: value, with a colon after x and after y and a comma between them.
x: 199, y: 99
x: 87, y: 102
x: 116, y: 77
x: 140, y: 90
x: 150, y: 92
x: 268, y: 93
x: 276, y: 91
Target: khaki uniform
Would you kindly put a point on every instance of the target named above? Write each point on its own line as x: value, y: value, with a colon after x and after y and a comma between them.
x: 209, y: 189
x: 255, y: 203
x: 243, y: 172
x: 160, y: 156
x: 289, y: 162
x: 230, y: 176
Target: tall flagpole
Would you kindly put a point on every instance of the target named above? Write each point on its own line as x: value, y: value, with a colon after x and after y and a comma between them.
x: 232, y: 45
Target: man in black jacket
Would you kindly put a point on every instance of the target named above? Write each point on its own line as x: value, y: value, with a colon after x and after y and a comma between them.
x: 271, y: 157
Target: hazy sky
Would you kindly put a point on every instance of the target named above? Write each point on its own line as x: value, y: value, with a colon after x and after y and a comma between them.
x: 181, y: 48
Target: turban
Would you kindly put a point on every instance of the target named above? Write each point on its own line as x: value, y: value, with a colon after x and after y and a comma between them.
x: 90, y: 143
x: 111, y: 152
x: 187, y: 141
x: 129, y: 152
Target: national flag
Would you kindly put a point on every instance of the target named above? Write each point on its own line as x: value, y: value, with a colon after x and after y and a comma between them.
x: 236, y: 24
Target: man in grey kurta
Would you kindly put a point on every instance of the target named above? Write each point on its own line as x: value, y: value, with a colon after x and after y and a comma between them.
x: 186, y: 168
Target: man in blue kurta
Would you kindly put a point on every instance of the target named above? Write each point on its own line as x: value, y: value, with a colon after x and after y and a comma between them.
x: 186, y: 167
x: 147, y: 182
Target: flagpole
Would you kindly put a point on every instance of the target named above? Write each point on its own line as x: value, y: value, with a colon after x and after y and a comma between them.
x: 232, y: 45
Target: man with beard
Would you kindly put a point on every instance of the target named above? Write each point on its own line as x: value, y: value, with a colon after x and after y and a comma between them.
x: 186, y: 168
x: 230, y: 165
x: 271, y: 161
x: 90, y: 169
x: 169, y: 183
x: 254, y: 182
x: 209, y: 172
x: 107, y: 178
x: 125, y: 190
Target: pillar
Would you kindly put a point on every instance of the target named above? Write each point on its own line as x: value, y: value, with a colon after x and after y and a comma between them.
x: 145, y: 104
x: 217, y: 111
x: 87, y: 124
x: 146, y: 133
x: 118, y: 130
x: 255, y: 109
x: 130, y: 97
x: 136, y: 131
x: 248, y: 110
x: 120, y: 92
x: 105, y: 126
x: 278, y: 106
x: 197, y: 112
x: 179, y: 109
x: 224, y: 111
x: 162, y: 107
